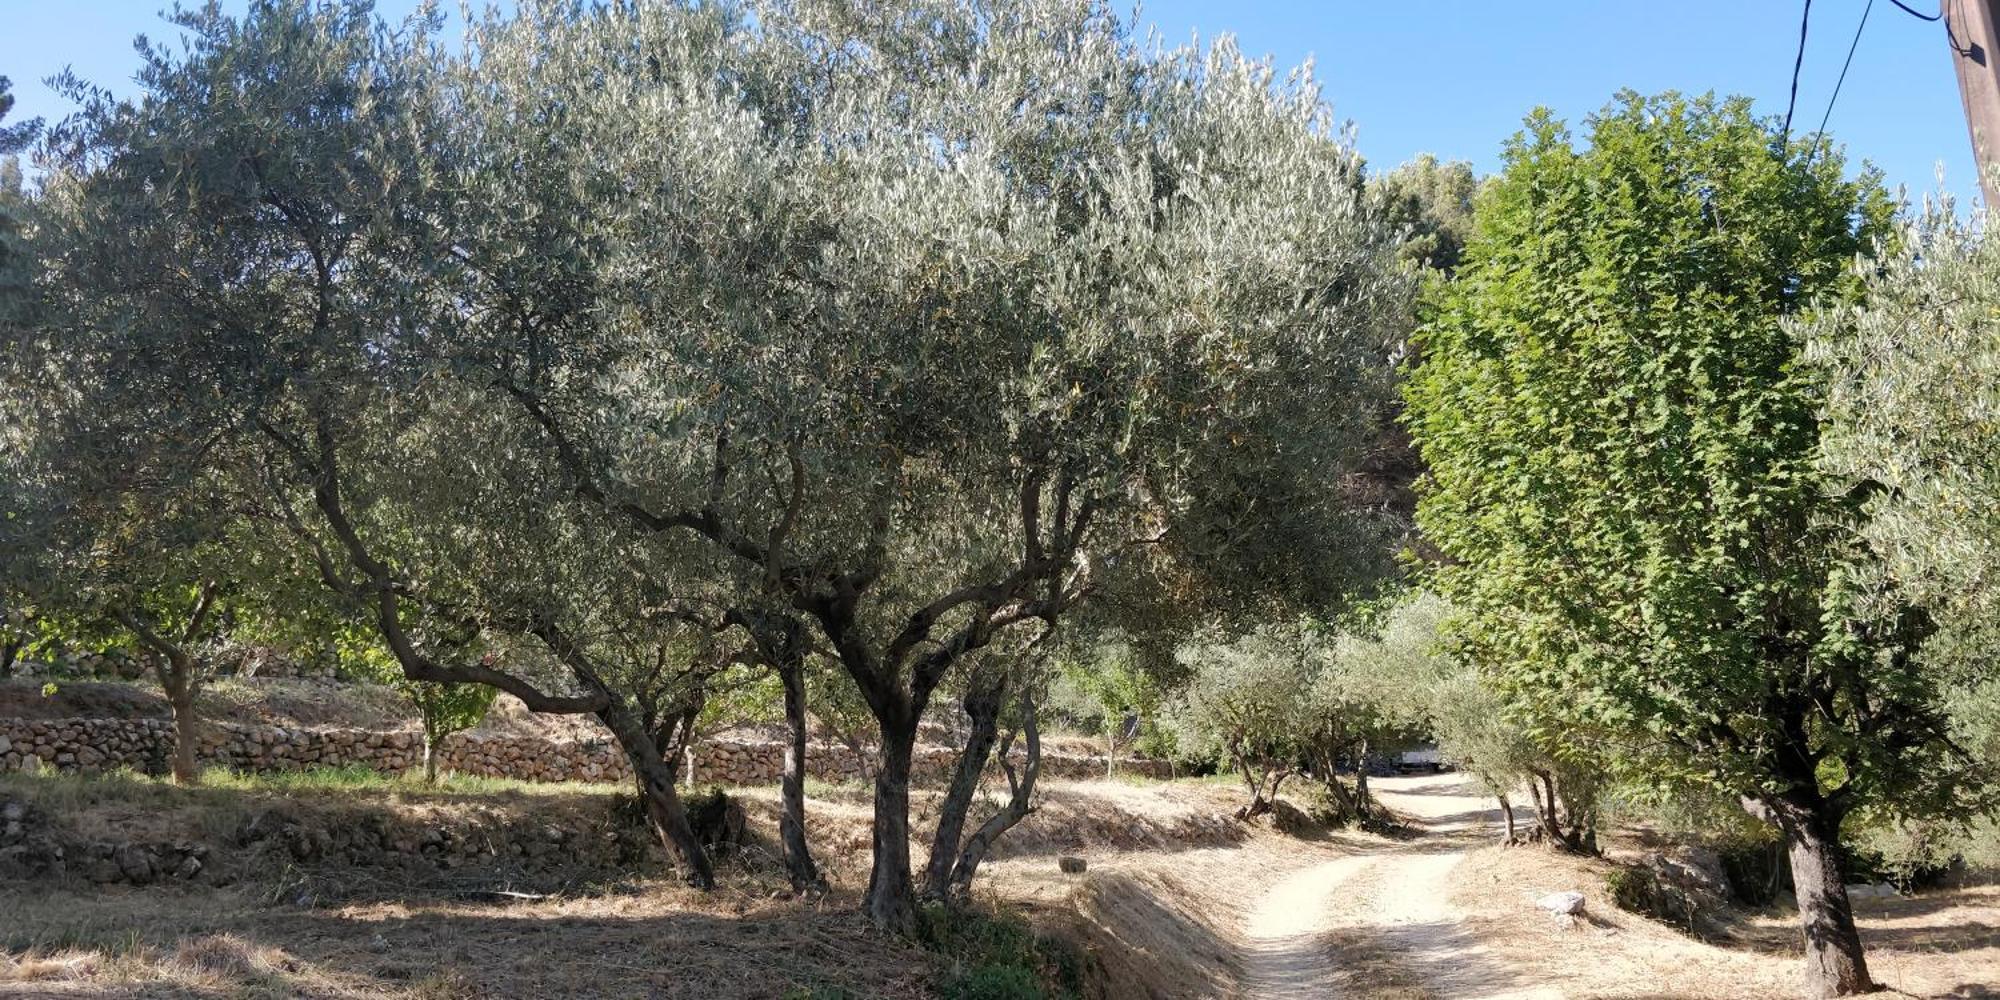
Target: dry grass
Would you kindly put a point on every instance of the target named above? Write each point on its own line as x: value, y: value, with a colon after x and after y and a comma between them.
x: 1160, y: 913
x: 664, y: 941
x: 1940, y: 944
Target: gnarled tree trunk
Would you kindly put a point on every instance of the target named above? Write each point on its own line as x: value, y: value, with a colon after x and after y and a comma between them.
x: 654, y: 780
x: 1579, y: 835
x: 1019, y: 803
x: 792, y: 816
x: 890, y: 901
x: 982, y: 705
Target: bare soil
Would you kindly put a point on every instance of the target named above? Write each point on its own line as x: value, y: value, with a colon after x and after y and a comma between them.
x: 1450, y: 914
x: 1178, y: 901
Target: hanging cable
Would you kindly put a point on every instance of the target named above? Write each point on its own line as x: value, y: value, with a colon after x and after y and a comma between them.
x: 1813, y: 150
x: 1805, y: 21
x: 1907, y: 9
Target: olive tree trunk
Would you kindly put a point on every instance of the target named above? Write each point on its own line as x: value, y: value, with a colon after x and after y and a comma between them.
x: 187, y: 725
x: 792, y: 816
x: 654, y: 779
x: 178, y: 671
x: 982, y: 705
x: 1020, y: 802
x: 891, y: 902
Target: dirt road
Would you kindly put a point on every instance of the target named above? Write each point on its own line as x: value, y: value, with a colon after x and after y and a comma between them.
x: 1380, y: 922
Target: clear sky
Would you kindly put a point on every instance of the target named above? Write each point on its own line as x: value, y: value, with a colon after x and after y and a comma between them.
x: 1452, y: 77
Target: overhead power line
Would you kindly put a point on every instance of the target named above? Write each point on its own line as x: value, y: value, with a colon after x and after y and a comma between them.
x: 1851, y: 46
x: 1805, y: 22
x: 1907, y: 9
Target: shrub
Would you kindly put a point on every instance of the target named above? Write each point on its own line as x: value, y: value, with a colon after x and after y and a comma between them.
x: 1640, y: 890
x: 996, y: 982
x: 997, y: 957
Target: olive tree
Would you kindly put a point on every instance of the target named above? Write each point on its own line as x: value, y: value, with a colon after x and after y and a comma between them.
x: 1913, y: 425
x: 1244, y: 703
x: 915, y: 319
x: 1913, y: 416
x: 223, y: 268
x: 1480, y: 729
x: 1623, y: 445
x: 99, y: 548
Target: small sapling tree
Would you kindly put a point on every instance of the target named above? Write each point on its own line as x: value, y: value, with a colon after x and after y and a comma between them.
x: 444, y: 709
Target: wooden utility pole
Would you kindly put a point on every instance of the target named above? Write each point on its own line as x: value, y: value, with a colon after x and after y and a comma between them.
x: 1970, y: 27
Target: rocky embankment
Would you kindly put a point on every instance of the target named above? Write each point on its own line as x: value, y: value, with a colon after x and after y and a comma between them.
x: 517, y: 846
x: 147, y: 744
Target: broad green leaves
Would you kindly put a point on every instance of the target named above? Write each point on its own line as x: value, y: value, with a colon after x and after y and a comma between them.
x: 1624, y: 444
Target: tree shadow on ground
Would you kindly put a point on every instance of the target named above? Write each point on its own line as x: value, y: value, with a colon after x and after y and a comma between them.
x: 1419, y: 960
x: 573, y: 948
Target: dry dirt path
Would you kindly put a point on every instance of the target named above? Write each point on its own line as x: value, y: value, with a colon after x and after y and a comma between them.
x: 1380, y: 922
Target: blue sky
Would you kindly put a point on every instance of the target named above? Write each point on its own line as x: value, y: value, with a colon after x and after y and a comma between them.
x: 1452, y: 77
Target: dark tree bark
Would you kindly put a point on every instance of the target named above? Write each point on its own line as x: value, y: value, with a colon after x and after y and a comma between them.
x: 1507, y: 815
x: 1020, y: 802
x: 792, y: 818
x: 982, y: 705
x: 1835, y: 963
x: 653, y: 777
x: 1263, y: 779
x: 1577, y: 833
x: 783, y: 644
x: 890, y: 904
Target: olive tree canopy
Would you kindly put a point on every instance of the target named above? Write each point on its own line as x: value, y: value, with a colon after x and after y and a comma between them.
x: 910, y: 321
x: 919, y: 316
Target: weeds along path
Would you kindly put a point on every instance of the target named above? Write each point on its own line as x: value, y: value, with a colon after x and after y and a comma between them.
x: 1379, y: 923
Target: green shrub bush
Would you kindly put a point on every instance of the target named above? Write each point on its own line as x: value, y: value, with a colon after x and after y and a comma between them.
x: 997, y: 957
x: 1639, y: 890
x: 996, y: 982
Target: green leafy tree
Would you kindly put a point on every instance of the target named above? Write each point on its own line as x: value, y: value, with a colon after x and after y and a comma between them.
x: 1244, y: 703
x: 1623, y: 444
x: 1478, y: 728
x: 218, y: 262
x: 946, y: 323
x: 444, y: 709
x: 1433, y: 199
x: 905, y: 326
x: 1116, y: 695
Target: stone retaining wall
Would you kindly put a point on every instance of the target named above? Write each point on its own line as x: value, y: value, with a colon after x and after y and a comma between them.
x: 147, y: 745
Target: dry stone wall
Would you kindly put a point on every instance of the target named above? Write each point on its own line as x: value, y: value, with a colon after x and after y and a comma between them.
x: 147, y: 745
